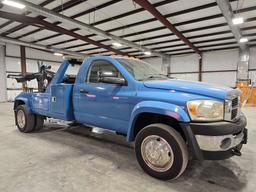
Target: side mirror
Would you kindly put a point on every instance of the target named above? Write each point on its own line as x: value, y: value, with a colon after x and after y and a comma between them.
x: 111, y: 77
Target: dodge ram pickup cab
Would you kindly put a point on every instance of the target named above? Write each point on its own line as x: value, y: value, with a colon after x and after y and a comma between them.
x: 169, y: 120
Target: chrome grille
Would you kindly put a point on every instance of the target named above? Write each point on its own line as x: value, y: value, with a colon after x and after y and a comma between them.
x: 235, y: 102
x: 234, y: 113
x: 232, y: 106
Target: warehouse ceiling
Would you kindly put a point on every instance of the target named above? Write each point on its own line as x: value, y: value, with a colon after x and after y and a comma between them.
x: 200, y: 22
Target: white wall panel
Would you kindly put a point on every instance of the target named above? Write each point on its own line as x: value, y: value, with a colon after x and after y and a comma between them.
x: 252, y: 76
x: 220, y: 60
x: 220, y: 78
x: 36, y: 54
x: 54, y: 66
x: 73, y: 70
x: 32, y: 84
x: 13, y: 64
x: 13, y: 50
x: 156, y: 62
x: 3, y: 94
x: 32, y: 65
x: 12, y: 94
x: 252, y: 60
x: 212, y: 61
x: 185, y: 63
x: 191, y: 76
x: 12, y: 84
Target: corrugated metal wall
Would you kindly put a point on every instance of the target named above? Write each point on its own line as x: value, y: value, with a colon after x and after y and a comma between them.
x: 252, y: 64
x: 3, y: 95
x: 219, y: 67
x: 185, y: 67
x: 13, y: 66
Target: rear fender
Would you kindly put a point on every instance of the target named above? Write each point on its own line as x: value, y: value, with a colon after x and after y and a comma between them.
x: 25, y: 99
x: 157, y: 107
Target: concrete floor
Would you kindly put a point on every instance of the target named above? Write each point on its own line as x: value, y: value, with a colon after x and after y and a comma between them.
x: 75, y: 159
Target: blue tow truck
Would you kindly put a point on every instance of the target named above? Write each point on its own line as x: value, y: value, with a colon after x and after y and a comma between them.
x: 169, y: 120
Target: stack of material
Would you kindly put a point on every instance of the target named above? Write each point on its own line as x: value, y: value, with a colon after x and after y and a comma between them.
x: 248, y: 95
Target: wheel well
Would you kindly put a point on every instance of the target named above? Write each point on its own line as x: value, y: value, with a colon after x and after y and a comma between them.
x: 146, y: 119
x: 17, y: 103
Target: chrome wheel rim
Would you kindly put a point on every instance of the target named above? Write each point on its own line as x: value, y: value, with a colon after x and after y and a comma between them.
x: 157, y: 153
x: 21, y: 119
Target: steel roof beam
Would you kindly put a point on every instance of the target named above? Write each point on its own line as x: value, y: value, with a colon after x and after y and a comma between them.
x: 176, y: 40
x: 151, y: 19
x: 150, y: 8
x: 50, y: 26
x: 57, y: 9
x: 158, y: 28
x: 157, y: 4
x: 21, y: 25
x: 168, y: 46
x: 203, y: 51
x: 75, y: 23
x: 227, y: 12
x: 161, y: 3
x: 42, y: 47
x: 69, y: 5
x: 101, y: 6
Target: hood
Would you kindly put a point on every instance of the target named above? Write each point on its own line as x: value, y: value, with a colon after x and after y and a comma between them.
x: 193, y: 87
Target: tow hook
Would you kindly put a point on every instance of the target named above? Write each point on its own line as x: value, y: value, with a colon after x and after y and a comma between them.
x: 236, y: 152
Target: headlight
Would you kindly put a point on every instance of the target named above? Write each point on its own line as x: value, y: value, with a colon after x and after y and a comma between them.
x: 205, y: 110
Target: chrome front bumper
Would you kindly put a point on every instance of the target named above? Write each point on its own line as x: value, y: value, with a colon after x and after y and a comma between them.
x: 219, y: 143
x: 215, y: 140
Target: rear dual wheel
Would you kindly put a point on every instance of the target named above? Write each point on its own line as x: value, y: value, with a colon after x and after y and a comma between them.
x: 27, y: 122
x: 161, y: 151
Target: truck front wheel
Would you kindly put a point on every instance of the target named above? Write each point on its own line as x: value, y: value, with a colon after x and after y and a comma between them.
x: 161, y: 151
x: 24, y: 120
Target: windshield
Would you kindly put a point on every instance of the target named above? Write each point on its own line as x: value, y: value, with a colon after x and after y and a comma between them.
x: 141, y: 70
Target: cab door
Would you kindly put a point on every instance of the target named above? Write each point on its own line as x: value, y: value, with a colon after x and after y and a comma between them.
x: 106, y: 105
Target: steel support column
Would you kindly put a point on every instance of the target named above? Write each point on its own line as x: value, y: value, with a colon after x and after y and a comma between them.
x: 200, y: 68
x: 227, y: 12
x: 243, y: 65
x: 3, y: 80
x: 166, y: 64
x: 23, y: 65
x: 243, y: 62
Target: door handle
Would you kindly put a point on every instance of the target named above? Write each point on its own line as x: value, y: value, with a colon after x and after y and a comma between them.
x: 81, y: 90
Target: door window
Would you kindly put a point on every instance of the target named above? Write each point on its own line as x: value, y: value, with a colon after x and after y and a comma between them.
x: 97, y: 67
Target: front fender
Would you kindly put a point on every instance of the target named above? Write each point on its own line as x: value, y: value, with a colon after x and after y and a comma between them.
x: 23, y: 98
x: 157, y: 107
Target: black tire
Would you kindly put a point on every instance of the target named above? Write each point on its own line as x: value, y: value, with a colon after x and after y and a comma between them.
x: 29, y: 120
x: 176, y: 143
x: 39, y: 122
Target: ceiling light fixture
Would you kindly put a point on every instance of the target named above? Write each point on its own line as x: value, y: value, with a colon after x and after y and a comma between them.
x: 147, y: 53
x: 58, y: 54
x: 243, y: 40
x: 14, y: 4
x: 116, y: 44
x: 238, y: 20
